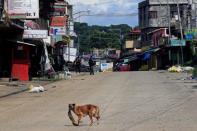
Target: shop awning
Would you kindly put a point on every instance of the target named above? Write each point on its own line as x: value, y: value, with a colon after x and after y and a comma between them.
x: 146, y: 56
x: 21, y: 42
x: 152, y: 50
x: 129, y: 59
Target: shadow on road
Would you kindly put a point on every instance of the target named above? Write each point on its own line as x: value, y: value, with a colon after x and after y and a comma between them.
x: 82, y: 125
x: 194, y: 87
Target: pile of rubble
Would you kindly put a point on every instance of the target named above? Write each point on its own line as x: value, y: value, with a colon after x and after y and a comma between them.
x: 179, y: 69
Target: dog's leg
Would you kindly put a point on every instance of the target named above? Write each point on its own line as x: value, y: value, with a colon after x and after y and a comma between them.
x: 79, y: 119
x: 97, y: 118
x: 91, y: 119
x: 97, y: 115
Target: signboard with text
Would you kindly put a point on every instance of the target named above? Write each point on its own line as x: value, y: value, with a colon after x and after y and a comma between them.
x: 57, y: 31
x: 177, y: 42
x: 58, y: 21
x: 191, y: 34
x: 35, y: 34
x: 23, y: 9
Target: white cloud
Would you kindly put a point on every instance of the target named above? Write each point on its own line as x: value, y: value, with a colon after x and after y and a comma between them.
x: 105, y: 6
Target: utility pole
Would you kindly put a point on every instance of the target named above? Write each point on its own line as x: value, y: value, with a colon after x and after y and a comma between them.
x: 79, y: 17
x: 121, y: 49
x: 189, y: 14
x: 169, y: 27
x: 181, y: 29
x: 169, y: 21
x: 78, y: 44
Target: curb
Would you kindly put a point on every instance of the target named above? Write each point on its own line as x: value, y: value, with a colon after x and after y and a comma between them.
x: 14, y: 93
x: 26, y: 89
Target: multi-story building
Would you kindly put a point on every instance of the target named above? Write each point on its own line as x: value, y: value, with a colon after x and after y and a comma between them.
x: 160, y: 14
x: 23, y: 32
x: 1, y: 8
x: 160, y: 21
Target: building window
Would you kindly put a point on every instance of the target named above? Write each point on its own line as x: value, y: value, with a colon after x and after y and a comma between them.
x: 174, y: 14
x: 152, y: 14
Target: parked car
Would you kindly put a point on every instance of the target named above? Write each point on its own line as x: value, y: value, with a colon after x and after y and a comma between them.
x: 122, y: 67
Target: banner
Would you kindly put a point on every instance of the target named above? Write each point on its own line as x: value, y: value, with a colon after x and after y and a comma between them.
x: 36, y: 34
x: 57, y: 31
x: 58, y: 21
x: 191, y: 34
x: 106, y: 67
x: 23, y: 9
x: 177, y: 42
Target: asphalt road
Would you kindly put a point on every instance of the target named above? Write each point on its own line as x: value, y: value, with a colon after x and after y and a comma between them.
x: 132, y: 101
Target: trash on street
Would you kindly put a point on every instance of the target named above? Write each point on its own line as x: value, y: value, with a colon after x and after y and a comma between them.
x: 35, y: 89
x: 177, y: 69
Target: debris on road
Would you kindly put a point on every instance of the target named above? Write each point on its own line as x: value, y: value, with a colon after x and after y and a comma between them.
x: 38, y: 89
x: 187, y: 68
x: 177, y: 69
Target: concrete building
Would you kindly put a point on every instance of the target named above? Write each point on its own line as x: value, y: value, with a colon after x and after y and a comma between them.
x: 155, y: 14
x: 1, y: 8
x: 159, y: 19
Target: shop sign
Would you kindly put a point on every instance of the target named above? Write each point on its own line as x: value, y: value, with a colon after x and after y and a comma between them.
x: 30, y: 24
x: 59, y: 8
x: 35, y: 34
x: 23, y: 9
x: 57, y: 31
x: 126, y: 60
x: 61, y: 3
x: 106, y: 66
x: 58, y: 21
x: 191, y: 34
x: 177, y: 42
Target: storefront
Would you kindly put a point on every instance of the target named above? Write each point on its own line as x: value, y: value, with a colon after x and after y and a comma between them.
x: 7, y: 35
x: 21, y: 61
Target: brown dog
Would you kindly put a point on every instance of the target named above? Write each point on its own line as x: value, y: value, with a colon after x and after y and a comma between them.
x: 84, y: 110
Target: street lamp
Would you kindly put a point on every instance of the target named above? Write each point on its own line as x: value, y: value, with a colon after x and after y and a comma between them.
x: 78, y: 35
x: 79, y: 13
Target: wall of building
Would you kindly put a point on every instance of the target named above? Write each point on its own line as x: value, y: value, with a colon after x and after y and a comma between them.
x: 156, y: 15
x: 167, y: 1
x: 1, y: 8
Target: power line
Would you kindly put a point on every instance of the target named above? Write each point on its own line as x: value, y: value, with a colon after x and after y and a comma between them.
x: 103, y: 3
x: 112, y: 15
x: 100, y: 3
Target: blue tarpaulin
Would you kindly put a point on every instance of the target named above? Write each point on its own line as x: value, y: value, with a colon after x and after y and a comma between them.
x: 146, y: 56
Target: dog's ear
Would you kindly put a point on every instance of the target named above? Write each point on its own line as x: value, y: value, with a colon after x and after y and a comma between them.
x: 71, y: 106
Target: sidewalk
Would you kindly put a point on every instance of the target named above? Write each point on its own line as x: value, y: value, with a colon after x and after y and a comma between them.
x: 11, y: 88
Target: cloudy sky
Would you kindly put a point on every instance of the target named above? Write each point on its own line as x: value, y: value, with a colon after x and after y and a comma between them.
x: 107, y: 12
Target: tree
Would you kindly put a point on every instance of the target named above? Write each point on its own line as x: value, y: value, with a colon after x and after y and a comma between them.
x: 100, y: 37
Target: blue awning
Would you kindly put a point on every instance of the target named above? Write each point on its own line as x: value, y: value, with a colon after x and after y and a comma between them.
x: 146, y: 56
